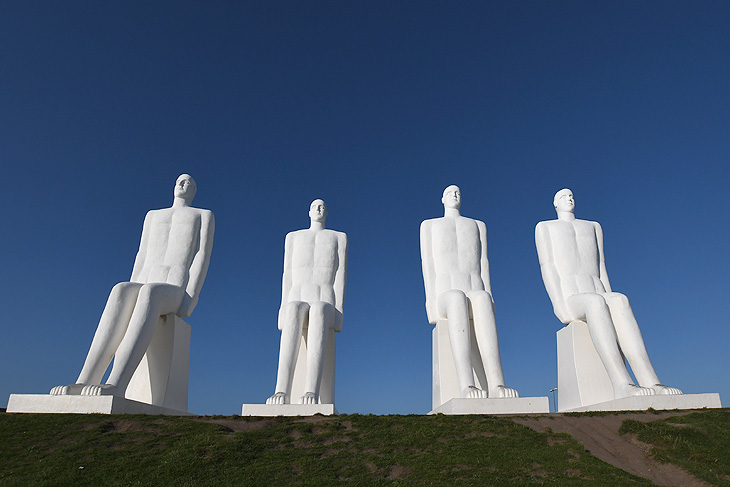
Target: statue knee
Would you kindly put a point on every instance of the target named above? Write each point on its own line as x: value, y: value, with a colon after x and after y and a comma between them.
x: 321, y: 314
x: 595, y: 303
x: 618, y: 299
x: 295, y: 308
x: 453, y: 297
x: 481, y: 299
x: 122, y: 287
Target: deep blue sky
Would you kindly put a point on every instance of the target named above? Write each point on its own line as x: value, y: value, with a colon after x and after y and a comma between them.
x: 375, y: 107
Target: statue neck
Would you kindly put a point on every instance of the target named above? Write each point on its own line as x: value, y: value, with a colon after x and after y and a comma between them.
x: 316, y: 226
x: 180, y: 202
x: 451, y: 212
x: 566, y: 216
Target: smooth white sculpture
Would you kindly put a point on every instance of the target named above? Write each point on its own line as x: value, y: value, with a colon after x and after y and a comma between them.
x: 574, y: 272
x: 168, y: 275
x: 312, y: 296
x: 459, y: 301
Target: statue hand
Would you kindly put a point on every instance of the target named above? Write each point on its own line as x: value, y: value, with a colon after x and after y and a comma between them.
x: 186, y: 307
x: 562, y: 314
x: 339, y: 319
x: 280, y: 320
x: 431, y: 313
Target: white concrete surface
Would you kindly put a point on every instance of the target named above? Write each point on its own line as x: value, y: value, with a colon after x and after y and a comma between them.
x: 507, y: 405
x: 46, y: 403
x: 288, y: 409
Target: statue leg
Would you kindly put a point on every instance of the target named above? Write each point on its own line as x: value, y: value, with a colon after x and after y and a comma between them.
x: 321, y: 320
x: 109, y: 334
x: 594, y: 309
x: 485, y: 329
x: 453, y: 306
x: 291, y: 335
x: 153, y: 301
x: 632, y: 343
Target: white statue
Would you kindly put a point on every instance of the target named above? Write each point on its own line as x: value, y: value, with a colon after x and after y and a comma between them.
x: 312, y: 295
x: 458, y: 289
x: 168, y: 274
x: 574, y: 272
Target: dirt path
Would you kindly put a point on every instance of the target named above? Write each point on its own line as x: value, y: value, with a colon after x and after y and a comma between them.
x: 600, y: 437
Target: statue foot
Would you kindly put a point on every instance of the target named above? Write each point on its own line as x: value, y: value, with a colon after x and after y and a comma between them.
x: 278, y: 398
x: 100, y: 390
x: 473, y: 392
x: 504, y: 392
x: 69, y: 390
x: 626, y: 390
x: 662, y: 389
x: 308, y: 398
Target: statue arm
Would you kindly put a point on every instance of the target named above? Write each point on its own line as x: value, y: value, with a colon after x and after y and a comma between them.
x: 285, y: 279
x: 484, y: 258
x: 142, y: 252
x: 199, y: 267
x: 428, y: 272
x: 602, y: 261
x: 340, y: 279
x: 550, y: 276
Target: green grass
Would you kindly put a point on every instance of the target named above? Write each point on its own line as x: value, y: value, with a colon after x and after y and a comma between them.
x: 348, y: 449
x: 697, y: 442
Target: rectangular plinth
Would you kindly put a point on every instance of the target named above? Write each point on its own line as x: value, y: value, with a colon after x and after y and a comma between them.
x: 660, y: 402
x: 288, y: 409
x: 518, y: 405
x: 45, y: 403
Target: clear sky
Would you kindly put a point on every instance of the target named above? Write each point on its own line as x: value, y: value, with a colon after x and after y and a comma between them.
x: 375, y: 107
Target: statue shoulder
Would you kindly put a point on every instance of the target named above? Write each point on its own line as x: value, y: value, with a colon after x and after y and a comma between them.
x: 428, y: 223
x: 340, y: 236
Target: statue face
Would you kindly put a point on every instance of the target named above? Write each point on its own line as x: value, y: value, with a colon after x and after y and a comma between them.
x: 452, y: 197
x: 185, y: 187
x: 318, y: 211
x: 564, y: 200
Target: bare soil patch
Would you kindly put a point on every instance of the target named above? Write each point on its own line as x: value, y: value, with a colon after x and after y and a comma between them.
x: 599, y: 434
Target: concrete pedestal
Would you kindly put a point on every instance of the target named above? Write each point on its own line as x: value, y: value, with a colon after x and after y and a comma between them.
x: 582, y: 378
x: 445, y: 381
x: 288, y: 409
x: 161, y: 379
x: 584, y: 385
x: 518, y: 405
x: 159, y: 382
x: 658, y: 402
x: 45, y: 403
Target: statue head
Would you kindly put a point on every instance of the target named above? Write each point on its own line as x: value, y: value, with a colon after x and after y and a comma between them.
x: 318, y: 211
x: 563, y: 201
x: 452, y: 197
x: 185, y: 187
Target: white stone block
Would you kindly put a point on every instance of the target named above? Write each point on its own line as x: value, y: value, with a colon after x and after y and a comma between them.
x: 516, y: 405
x: 161, y: 379
x: 288, y: 409
x: 658, y: 402
x: 445, y: 381
x: 582, y: 378
x: 46, y: 403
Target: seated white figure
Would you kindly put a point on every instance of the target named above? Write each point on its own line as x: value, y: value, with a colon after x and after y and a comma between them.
x: 458, y: 289
x: 312, y: 295
x: 167, y: 277
x: 574, y: 272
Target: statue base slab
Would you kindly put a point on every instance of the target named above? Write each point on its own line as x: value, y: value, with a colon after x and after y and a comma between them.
x: 659, y: 402
x: 46, y: 403
x: 288, y: 409
x: 517, y: 405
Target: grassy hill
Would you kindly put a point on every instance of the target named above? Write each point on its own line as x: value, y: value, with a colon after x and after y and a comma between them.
x: 347, y: 449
